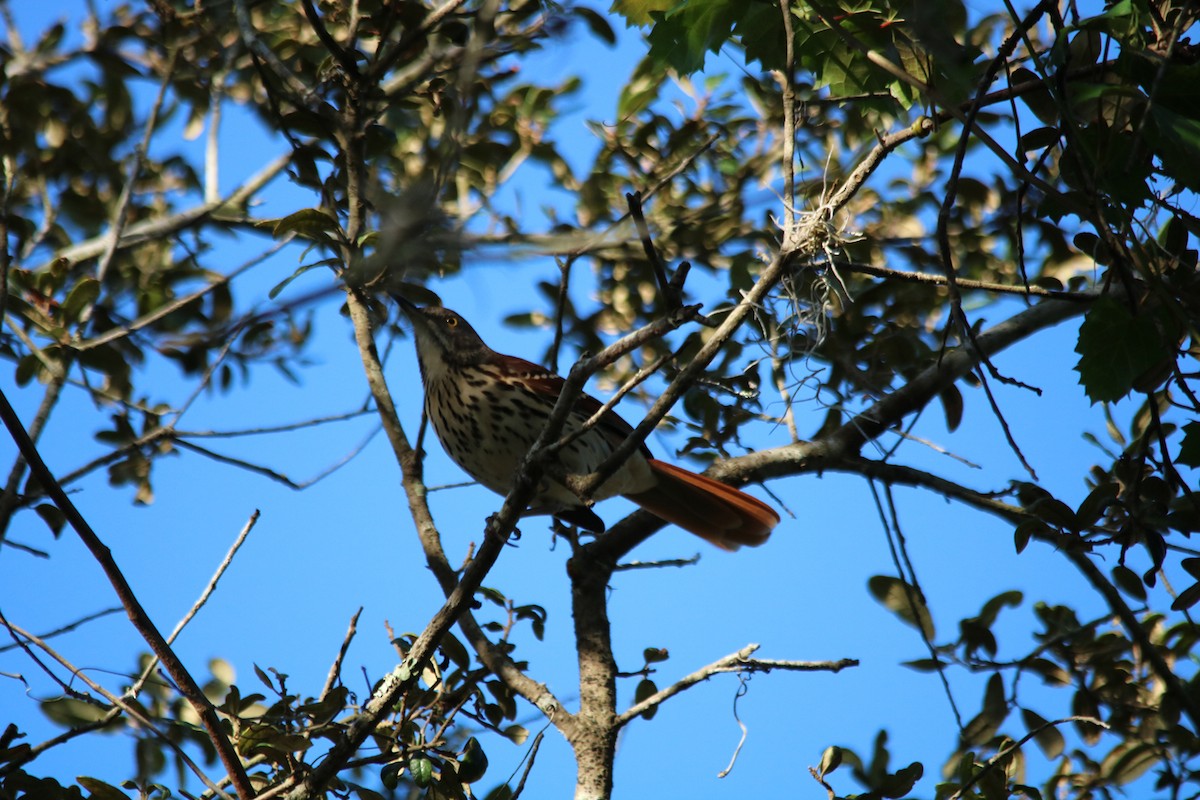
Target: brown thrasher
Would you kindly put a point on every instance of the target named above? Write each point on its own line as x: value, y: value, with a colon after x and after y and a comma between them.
x: 488, y: 410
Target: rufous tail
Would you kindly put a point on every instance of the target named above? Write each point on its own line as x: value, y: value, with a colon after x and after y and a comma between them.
x: 710, y: 509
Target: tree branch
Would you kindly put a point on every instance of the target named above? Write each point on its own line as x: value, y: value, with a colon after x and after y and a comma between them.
x: 137, y: 615
x: 739, y: 661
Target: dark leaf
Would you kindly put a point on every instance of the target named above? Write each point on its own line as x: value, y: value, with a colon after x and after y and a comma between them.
x: 473, y: 762
x: 101, y: 790
x: 654, y: 655
x: 1115, y: 347
x: 952, y: 404
x: 1128, y: 582
x: 1189, y: 448
x: 1047, y: 736
x: 52, y: 516
x: 903, y: 600
x: 902, y: 782
x: 646, y: 688
x: 1187, y: 598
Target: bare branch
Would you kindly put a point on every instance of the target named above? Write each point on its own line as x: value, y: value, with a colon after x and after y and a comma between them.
x: 965, y: 283
x: 70, y: 626
x: 160, y: 227
x: 200, y: 601
x: 335, y: 670
x: 629, y: 566
x: 259, y: 469
x: 670, y: 297
x: 170, y: 308
x: 133, y: 607
x: 122, y: 706
x: 739, y: 661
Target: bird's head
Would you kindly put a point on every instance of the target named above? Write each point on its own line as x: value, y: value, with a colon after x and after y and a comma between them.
x: 443, y: 337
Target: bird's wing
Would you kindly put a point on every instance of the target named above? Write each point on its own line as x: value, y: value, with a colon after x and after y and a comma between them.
x: 548, y: 386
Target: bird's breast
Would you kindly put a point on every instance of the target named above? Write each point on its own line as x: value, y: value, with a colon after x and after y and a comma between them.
x: 487, y: 422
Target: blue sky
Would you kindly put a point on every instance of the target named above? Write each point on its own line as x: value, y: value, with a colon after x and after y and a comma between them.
x: 317, y: 555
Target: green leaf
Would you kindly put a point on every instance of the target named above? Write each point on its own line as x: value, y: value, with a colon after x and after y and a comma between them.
x: 72, y: 713
x: 1187, y: 598
x: 831, y: 759
x: 991, y: 609
x: 1096, y: 503
x: 1115, y: 347
x: 903, y: 600
x: 421, y: 769
x: 283, y: 284
x: 1054, y: 512
x: 389, y: 776
x: 81, y: 296
x: 597, y: 23
x: 640, y: 12
x: 1040, y: 101
x: 995, y: 709
x: 473, y: 762
x: 454, y: 650
x: 1039, y: 138
x: 311, y: 223
x: 683, y: 36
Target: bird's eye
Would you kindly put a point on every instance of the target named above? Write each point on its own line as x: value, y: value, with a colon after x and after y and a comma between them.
x: 451, y: 322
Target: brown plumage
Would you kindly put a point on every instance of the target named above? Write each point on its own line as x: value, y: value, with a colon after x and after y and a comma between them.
x: 488, y: 409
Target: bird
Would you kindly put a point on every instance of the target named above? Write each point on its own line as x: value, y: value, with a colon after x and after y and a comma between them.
x: 488, y: 409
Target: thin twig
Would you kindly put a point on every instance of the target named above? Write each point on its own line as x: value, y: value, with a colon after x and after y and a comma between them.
x: 666, y: 562
x: 637, y: 379
x: 162, y: 227
x: 789, y: 116
x: 200, y: 602
x: 966, y: 283
x: 1012, y: 746
x: 634, y: 201
x: 913, y: 594
x: 113, y: 238
x: 743, y: 685
x: 169, y: 308
x: 130, y: 710
x: 133, y: 607
x: 335, y: 670
x: 70, y: 626
x: 259, y: 469
x: 734, y: 662
x: 533, y: 751
x: 586, y: 485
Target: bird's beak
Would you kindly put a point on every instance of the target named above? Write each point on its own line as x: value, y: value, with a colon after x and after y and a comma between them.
x: 407, y: 307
